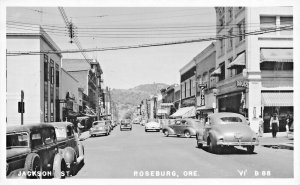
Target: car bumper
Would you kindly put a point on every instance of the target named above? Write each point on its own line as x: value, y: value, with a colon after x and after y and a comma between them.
x: 236, y: 143
x: 152, y: 128
x: 98, y: 132
x: 126, y: 127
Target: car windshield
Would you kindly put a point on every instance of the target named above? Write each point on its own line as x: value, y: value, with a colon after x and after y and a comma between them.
x: 125, y: 122
x: 231, y: 120
x: 17, y: 140
x: 101, y: 124
x: 60, y: 132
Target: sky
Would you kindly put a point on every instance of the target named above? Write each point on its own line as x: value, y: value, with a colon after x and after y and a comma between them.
x: 101, y: 27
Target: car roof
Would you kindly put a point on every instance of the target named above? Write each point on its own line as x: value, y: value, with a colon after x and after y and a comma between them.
x: 219, y: 115
x: 27, y: 127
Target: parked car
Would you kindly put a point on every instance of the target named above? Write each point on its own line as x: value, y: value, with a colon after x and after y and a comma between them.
x: 69, y: 145
x: 152, y: 125
x: 125, y: 124
x: 182, y: 127
x: 100, y: 127
x: 226, y: 129
x: 32, y: 152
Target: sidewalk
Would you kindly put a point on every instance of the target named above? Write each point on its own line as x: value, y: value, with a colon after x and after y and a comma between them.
x: 280, y: 142
x: 84, y: 135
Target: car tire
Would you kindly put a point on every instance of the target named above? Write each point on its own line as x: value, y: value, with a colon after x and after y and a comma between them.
x: 250, y: 149
x: 166, y: 133
x: 187, y: 134
x: 33, y: 163
x: 59, y: 167
x: 199, y: 145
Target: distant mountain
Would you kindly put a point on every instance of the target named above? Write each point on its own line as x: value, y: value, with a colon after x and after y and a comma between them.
x: 128, y: 99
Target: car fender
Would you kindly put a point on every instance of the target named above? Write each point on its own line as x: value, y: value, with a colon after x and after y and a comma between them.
x: 212, y: 135
x: 69, y: 155
x: 170, y: 130
x: 191, y: 130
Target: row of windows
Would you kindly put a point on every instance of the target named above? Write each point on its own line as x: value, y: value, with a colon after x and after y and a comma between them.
x: 270, y: 22
x: 188, y: 88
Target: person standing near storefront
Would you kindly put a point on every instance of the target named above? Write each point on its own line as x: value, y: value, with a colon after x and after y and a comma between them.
x: 274, y: 125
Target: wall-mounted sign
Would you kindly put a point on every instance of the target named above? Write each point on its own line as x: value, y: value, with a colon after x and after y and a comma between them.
x: 202, y: 85
x: 240, y: 83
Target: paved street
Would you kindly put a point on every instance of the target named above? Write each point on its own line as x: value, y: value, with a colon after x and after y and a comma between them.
x: 140, y: 154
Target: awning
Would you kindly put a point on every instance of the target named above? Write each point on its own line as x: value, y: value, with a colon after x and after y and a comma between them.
x: 240, y: 60
x: 216, y: 72
x: 162, y: 111
x: 277, y: 99
x: 185, y: 112
x: 276, y: 55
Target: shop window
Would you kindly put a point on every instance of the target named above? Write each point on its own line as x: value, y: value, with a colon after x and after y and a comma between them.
x: 222, y: 46
x: 212, y: 79
x: 46, y: 68
x: 277, y: 66
x: 222, y: 75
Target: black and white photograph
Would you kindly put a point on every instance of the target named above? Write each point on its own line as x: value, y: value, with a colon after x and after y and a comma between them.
x: 125, y: 92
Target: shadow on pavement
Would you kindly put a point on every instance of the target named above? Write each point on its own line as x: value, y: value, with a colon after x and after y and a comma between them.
x: 229, y: 151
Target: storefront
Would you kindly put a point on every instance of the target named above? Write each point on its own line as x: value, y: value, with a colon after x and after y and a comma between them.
x: 280, y: 103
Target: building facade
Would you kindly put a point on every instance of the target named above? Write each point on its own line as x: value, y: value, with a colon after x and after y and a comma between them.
x: 188, y: 85
x: 38, y: 76
x: 255, y: 73
x: 206, y: 83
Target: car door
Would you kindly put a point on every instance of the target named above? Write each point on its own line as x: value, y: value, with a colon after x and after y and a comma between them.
x: 183, y: 126
x: 176, y: 126
x: 49, y: 139
x: 38, y: 146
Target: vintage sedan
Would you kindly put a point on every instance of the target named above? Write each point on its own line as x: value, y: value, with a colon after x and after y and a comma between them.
x: 32, y: 152
x: 226, y: 129
x: 182, y: 127
x: 125, y: 124
x: 152, y: 125
x: 69, y: 145
x: 100, y: 127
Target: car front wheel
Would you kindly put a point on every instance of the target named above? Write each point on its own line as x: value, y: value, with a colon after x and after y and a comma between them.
x: 250, y: 149
x: 166, y: 133
x: 187, y: 134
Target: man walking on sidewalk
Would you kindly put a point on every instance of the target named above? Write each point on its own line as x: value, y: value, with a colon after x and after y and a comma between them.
x: 274, y: 124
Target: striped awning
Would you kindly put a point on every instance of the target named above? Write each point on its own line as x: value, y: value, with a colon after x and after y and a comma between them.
x: 277, y: 99
x: 240, y: 60
x: 185, y: 112
x: 216, y: 72
x: 276, y: 55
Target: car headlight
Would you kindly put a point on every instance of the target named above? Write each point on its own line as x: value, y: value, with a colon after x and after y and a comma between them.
x: 221, y: 139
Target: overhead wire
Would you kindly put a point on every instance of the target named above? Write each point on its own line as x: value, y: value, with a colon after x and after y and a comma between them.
x: 258, y: 32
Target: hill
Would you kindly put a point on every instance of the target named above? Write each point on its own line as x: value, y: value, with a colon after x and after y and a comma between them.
x: 128, y: 99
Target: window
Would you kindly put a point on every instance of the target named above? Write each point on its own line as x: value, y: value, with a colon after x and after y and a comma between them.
x: 232, y: 72
x: 52, y: 75
x: 286, y: 21
x: 48, y: 135
x: 182, y: 90
x: 242, y: 31
x: 52, y: 111
x: 230, y: 40
x: 36, y: 139
x: 222, y: 75
x: 212, y: 79
x: 231, y: 119
x: 46, y: 68
x: 17, y: 140
x: 222, y: 46
x: 221, y: 23
x: 267, y: 23
x: 277, y: 66
x: 69, y: 131
x: 188, y: 88
x: 230, y: 13
x: 57, y: 78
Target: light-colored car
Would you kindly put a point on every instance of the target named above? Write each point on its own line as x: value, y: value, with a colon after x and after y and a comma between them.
x: 100, y: 127
x: 182, y: 127
x: 226, y: 129
x: 125, y: 124
x: 69, y: 146
x: 152, y: 125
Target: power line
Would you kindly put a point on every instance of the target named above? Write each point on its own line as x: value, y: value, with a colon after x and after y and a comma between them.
x: 259, y: 32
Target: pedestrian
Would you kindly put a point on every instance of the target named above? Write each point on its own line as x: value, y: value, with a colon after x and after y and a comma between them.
x: 79, y: 127
x: 274, y: 124
x: 261, y: 126
x: 289, y: 121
